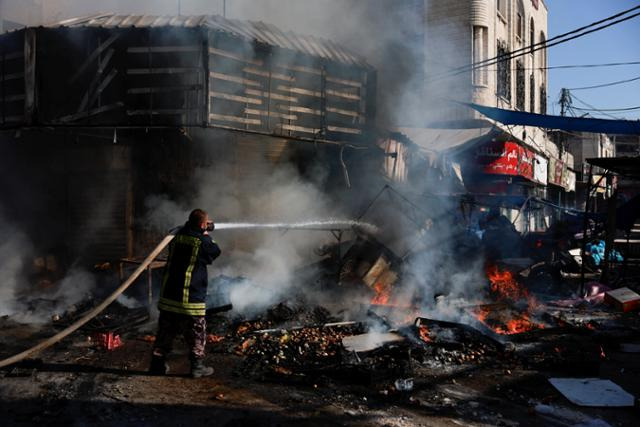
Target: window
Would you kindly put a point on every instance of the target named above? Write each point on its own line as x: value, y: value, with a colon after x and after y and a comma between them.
x: 543, y: 99
x: 520, y: 89
x: 543, y: 52
x: 480, y: 48
x: 520, y: 22
x: 503, y: 9
x: 520, y: 27
x: 532, y: 93
x: 532, y: 36
x: 503, y: 66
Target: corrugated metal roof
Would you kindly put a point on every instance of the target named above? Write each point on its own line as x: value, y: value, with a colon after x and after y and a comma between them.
x: 249, y: 30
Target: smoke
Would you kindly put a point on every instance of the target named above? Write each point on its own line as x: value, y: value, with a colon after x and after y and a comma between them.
x: 14, y: 251
x: 390, y: 34
x: 27, y: 297
x: 267, y: 258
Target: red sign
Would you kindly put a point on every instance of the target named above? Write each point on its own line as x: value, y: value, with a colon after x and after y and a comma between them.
x: 557, y: 176
x: 499, y: 158
x: 506, y: 158
x: 525, y: 167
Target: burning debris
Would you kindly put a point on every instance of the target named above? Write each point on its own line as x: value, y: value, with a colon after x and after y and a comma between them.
x: 515, y: 308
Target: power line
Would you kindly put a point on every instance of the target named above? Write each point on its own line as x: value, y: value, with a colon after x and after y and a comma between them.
x: 610, y: 64
x: 541, y: 45
x: 592, y: 107
x: 608, y: 109
x: 548, y: 45
x: 531, y: 47
x: 619, y: 82
x: 588, y: 113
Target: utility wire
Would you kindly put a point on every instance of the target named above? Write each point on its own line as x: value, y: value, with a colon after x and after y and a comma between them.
x: 610, y: 64
x: 556, y: 67
x: 608, y: 109
x: 531, y: 49
x: 510, y: 56
x: 588, y: 114
x: 592, y: 107
x: 619, y: 82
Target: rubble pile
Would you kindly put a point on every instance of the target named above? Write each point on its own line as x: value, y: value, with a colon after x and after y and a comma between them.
x: 296, y: 351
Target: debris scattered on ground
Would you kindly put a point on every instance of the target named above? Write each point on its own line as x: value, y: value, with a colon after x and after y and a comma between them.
x: 623, y: 299
x: 592, y: 392
x: 107, y: 340
x: 370, y: 341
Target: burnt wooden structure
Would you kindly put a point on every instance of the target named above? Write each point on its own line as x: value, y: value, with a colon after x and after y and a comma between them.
x: 206, y: 71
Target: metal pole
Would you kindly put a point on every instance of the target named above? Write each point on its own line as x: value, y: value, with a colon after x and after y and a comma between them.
x: 224, y: 8
x: 609, y: 239
x: 585, y: 224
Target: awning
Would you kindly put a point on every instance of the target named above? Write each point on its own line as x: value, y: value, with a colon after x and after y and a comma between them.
x: 522, y: 118
x: 628, y: 167
x: 435, y: 140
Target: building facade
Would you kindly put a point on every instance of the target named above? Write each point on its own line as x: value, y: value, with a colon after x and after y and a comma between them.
x: 462, y: 32
x: 626, y: 145
x: 492, y: 53
x: 583, y: 146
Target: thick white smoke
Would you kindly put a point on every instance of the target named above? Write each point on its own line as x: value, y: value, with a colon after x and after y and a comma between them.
x: 390, y: 34
x: 267, y: 258
x: 21, y: 296
x: 15, y: 249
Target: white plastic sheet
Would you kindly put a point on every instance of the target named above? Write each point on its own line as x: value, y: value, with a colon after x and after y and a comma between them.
x: 592, y: 392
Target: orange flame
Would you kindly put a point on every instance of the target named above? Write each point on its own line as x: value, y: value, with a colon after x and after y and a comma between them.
x: 383, y: 294
x: 424, y: 334
x: 519, y: 325
x: 505, y: 287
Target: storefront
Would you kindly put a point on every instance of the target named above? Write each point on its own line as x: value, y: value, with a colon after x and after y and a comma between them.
x: 506, y: 168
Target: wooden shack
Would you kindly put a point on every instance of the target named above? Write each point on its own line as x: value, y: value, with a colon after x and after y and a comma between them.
x: 99, y: 113
x: 137, y: 70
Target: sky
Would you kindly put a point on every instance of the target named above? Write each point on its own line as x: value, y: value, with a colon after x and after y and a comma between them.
x: 619, y: 43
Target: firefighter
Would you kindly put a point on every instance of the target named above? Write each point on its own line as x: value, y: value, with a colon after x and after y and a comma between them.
x: 183, y: 295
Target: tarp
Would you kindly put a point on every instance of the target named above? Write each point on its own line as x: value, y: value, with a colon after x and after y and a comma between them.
x: 436, y: 140
x: 509, y: 117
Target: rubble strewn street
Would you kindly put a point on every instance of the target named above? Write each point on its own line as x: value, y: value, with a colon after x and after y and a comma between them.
x: 384, y: 213
x: 290, y: 364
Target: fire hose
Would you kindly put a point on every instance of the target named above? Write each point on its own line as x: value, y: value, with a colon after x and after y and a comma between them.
x: 94, y: 312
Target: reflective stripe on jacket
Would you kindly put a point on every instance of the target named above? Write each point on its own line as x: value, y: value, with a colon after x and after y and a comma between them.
x: 184, y: 284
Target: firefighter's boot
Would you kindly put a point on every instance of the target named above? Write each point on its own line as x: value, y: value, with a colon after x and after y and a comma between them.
x: 199, y: 369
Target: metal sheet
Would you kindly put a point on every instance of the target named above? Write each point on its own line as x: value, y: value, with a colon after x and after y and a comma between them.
x: 254, y: 31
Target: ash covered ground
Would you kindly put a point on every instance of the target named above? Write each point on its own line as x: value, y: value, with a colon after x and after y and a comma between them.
x: 304, y: 364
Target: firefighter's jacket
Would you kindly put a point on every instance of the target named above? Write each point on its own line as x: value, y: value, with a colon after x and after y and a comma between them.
x: 184, y: 284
